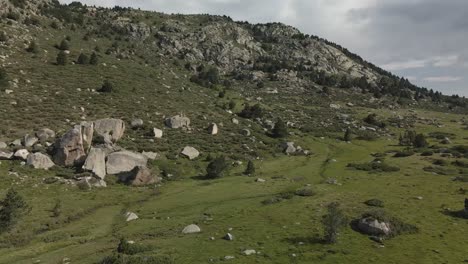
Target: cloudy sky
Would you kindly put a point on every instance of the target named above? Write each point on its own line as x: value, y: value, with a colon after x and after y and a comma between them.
x: 425, y: 41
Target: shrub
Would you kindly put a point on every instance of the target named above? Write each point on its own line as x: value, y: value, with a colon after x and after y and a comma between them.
x: 130, y: 248
x: 13, y: 208
x: 107, y: 87
x: 19, y: 3
x: 94, y: 59
x: 251, y: 112
x: 374, y: 203
x: 403, y: 154
x: 64, y: 45
x: 420, y: 141
x: 3, y: 36
x: 305, y: 192
x: 216, y: 168
x: 374, y: 166
x: 124, y: 259
x: 347, y: 136
x: 82, y: 59
x: 207, y: 76
x: 372, y: 120
x: 280, y: 130
x: 3, y: 77
x: 332, y: 222
x: 427, y: 153
x: 33, y: 47
x: 62, y: 58
x: 57, y: 210
x: 13, y: 16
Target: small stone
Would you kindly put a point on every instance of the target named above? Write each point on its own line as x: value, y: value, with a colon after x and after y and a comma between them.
x: 228, y: 237
x: 249, y: 252
x: 191, y: 229
x: 129, y: 216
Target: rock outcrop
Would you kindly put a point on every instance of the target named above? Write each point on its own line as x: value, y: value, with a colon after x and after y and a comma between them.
x: 374, y: 227
x: 69, y: 150
x: 139, y: 176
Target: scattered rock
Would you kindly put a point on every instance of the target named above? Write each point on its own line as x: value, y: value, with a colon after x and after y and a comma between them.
x: 96, y: 162
x: 246, y: 132
x: 16, y: 143
x: 178, y: 121
x: 260, y: 180
x: 228, y: 237
x: 373, y: 227
x: 3, y: 145
x: 190, y: 152
x: 136, y: 123
x: 249, y: 252
x: 213, y: 129
x: 235, y: 121
x: 39, y: 161
x: 157, y: 133
x: 129, y: 216
x: 90, y: 182
x: 22, y: 154
x: 288, y: 148
x: 124, y: 161
x: 191, y: 229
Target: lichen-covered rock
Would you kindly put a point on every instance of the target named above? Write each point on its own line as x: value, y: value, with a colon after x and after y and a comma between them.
x: 139, y: 176
x: 374, y: 227
x: 96, y: 162
x: 110, y: 129
x: 190, y: 152
x: 69, y: 149
x: 178, y: 122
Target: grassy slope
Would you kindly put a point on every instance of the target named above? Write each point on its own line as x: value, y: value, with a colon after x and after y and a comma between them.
x: 95, y: 223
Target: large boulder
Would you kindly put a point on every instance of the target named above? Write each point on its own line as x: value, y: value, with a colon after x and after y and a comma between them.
x: 96, y: 162
x: 374, y: 227
x: 110, y: 129
x: 39, y: 161
x: 45, y: 134
x: 190, y: 152
x: 6, y: 155
x: 139, y: 176
x: 22, y: 154
x: 178, y: 121
x: 30, y: 140
x: 69, y: 150
x: 124, y: 161
x: 88, y: 183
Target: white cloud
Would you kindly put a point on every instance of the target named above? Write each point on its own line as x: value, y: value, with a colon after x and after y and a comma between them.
x: 443, y: 79
x: 404, y: 65
x: 446, y: 61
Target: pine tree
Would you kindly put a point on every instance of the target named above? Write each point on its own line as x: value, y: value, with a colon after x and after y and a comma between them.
x: 94, y: 59
x: 107, y: 87
x: 62, y: 58
x: 82, y: 59
x: 13, y: 208
x: 250, y: 170
x: 420, y: 141
x: 216, y: 168
x: 280, y: 130
x: 64, y: 45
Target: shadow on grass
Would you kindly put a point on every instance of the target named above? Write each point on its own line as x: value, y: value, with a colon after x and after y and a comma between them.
x: 462, y: 214
x: 308, y: 240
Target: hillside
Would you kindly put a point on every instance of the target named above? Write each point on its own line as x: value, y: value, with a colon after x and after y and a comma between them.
x: 129, y: 111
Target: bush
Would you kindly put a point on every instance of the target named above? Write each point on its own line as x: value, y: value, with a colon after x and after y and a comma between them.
x: 13, y: 16
x: 332, y: 222
x: 123, y: 259
x: 13, y: 208
x: 82, y: 59
x: 62, y: 58
x: 305, y: 192
x: 216, y: 168
x: 427, y: 153
x: 280, y: 130
x: 374, y: 166
x: 251, y: 112
x: 94, y: 60
x: 372, y: 120
x: 3, y: 36
x: 33, y: 47
x: 374, y: 203
x: 3, y: 77
x: 107, y: 87
x: 420, y: 141
x: 130, y: 248
x: 403, y: 154
x: 207, y: 76
x: 347, y: 136
x: 64, y: 45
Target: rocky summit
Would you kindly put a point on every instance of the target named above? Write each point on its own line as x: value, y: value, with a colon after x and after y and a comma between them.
x: 132, y: 136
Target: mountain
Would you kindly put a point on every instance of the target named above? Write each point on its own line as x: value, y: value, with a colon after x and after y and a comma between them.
x: 171, y: 131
